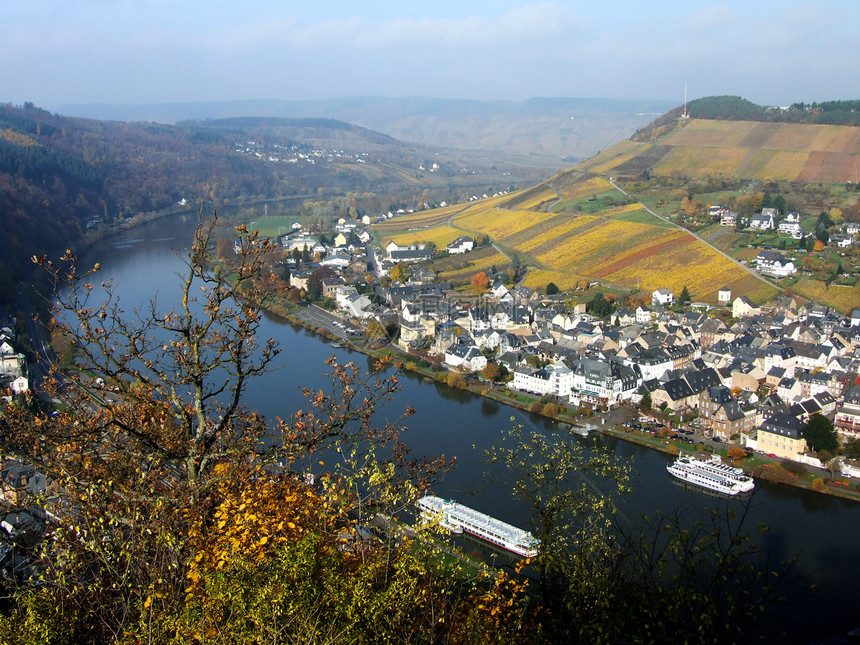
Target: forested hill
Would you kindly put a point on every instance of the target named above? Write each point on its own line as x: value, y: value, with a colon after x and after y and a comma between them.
x: 307, y: 128
x: 60, y: 175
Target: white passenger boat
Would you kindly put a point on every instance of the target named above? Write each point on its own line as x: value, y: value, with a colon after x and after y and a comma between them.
x: 458, y: 518
x: 712, y: 474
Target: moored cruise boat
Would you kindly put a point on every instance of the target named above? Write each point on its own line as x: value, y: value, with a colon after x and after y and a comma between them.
x: 712, y: 474
x: 458, y: 518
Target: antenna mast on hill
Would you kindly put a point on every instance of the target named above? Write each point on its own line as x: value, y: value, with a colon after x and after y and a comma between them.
x: 685, y: 115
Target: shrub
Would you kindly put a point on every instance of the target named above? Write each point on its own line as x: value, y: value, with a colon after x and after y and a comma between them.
x: 536, y: 407
x: 818, y: 484
x: 550, y: 410
x: 737, y: 453
x: 455, y: 379
x: 794, y: 467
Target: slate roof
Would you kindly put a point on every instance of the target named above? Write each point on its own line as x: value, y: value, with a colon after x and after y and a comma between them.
x: 677, y: 389
x: 783, y: 424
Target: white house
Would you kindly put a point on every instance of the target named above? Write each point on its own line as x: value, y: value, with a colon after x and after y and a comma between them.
x: 338, y: 261
x: 462, y: 244
x: 792, y: 229
x: 603, y: 383
x: 353, y: 303
x: 465, y: 356
x: 662, y: 297
x: 762, y: 221
x: 532, y: 379
x: 391, y: 247
x: 743, y: 306
x: 644, y: 316
x: 775, y: 264
x: 842, y: 240
x: 728, y: 218
x: 555, y: 378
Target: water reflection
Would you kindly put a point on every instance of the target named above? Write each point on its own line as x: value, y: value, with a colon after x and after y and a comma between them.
x: 489, y: 407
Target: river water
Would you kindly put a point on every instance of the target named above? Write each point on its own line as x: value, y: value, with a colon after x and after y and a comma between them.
x: 823, y: 530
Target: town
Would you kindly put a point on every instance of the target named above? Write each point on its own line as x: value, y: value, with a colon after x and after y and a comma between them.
x: 736, y: 372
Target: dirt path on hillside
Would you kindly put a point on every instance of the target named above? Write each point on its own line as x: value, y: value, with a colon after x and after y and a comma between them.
x: 698, y: 237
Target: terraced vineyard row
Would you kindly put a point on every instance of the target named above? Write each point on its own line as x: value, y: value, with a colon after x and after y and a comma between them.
x: 765, y: 151
x: 619, y: 245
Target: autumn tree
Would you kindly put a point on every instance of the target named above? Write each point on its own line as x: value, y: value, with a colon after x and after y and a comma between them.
x: 480, y: 282
x: 455, y: 380
x: 551, y: 410
x: 555, y: 476
x: 135, y: 470
x: 491, y: 371
x: 399, y: 272
x: 599, y: 579
x: 736, y: 453
x: 174, y: 481
x: 315, y: 282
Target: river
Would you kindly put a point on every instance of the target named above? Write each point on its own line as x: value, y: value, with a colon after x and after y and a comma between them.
x: 823, y: 530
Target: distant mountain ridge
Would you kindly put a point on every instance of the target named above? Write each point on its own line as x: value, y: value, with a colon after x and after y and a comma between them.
x: 560, y: 129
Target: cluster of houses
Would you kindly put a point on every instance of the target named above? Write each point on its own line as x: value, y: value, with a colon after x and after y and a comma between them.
x: 13, y: 365
x: 278, y: 153
x: 754, y: 382
x: 21, y: 522
x: 770, y: 219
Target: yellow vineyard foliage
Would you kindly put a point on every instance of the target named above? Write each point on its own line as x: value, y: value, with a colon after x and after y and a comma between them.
x: 612, y: 161
x: 562, y: 228
x: 578, y: 252
x: 438, y: 235
x: 768, y: 151
x: 499, y: 224
x: 530, y: 201
x: 537, y: 279
x: 585, y: 187
x: 421, y: 219
x: 714, y: 161
x: 841, y: 297
x: 771, y: 136
x: 652, y: 239
x: 621, y: 210
x: 474, y: 263
x: 688, y: 263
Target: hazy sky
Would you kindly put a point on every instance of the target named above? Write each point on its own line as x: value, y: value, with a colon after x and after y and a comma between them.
x: 772, y: 52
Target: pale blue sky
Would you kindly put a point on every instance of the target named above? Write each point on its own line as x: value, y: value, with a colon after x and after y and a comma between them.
x: 772, y: 52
